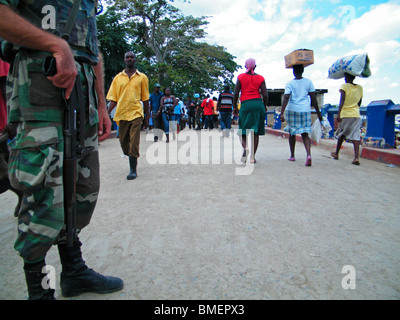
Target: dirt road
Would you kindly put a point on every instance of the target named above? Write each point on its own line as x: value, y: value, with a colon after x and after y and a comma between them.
x: 196, y: 224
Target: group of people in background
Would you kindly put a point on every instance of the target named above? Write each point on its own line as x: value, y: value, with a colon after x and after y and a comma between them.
x: 166, y: 113
x: 298, y: 98
x: 133, y: 109
x: 170, y: 114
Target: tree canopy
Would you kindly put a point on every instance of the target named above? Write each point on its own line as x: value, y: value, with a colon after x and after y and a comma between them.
x: 170, y: 47
x: 113, y: 37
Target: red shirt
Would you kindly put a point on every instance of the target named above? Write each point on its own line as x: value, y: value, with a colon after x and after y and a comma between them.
x: 208, y: 106
x: 4, y: 66
x: 251, y: 85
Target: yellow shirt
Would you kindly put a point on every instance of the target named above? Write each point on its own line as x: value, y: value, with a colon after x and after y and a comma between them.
x: 127, y: 93
x: 354, y: 94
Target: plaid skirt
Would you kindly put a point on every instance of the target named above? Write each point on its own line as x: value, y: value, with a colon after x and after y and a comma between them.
x: 298, y: 122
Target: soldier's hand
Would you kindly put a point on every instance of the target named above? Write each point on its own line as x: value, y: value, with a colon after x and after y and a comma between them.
x: 10, y: 130
x: 104, y: 127
x: 66, y: 68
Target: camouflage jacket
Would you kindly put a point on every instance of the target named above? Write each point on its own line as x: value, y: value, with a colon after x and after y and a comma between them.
x: 52, y: 16
x: 30, y: 95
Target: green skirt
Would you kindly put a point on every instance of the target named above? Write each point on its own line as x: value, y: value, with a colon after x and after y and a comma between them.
x: 252, y: 117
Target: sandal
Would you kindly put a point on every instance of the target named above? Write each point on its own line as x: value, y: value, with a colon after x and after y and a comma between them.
x: 292, y: 159
x: 334, y: 156
x: 356, y: 162
x: 308, y: 162
x: 244, y: 155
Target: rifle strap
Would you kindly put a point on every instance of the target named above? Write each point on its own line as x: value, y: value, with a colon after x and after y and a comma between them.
x: 71, y: 20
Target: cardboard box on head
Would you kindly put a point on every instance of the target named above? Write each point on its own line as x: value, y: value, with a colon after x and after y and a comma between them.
x: 304, y: 57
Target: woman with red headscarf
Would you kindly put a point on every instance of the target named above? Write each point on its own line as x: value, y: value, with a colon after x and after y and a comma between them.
x: 253, y: 97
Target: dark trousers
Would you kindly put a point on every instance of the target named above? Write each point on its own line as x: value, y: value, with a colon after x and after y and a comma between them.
x: 209, y: 122
x: 191, y: 120
x: 129, y: 137
x: 157, y: 125
x: 226, y: 120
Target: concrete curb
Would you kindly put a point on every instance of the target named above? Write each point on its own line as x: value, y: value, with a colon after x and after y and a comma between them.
x: 388, y: 156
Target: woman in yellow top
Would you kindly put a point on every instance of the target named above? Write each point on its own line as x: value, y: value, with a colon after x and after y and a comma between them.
x: 349, y: 117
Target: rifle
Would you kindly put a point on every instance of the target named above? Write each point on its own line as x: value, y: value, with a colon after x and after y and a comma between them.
x: 74, y: 149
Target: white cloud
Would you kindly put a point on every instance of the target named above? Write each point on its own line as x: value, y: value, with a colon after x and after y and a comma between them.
x: 199, y: 8
x: 384, y: 52
x: 267, y: 30
x: 382, y: 23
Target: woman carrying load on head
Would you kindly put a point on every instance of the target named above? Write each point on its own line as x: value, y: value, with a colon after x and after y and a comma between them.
x: 254, y: 97
x: 349, y: 117
x: 296, y: 111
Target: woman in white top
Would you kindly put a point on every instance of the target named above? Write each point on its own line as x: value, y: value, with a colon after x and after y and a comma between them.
x: 297, y: 104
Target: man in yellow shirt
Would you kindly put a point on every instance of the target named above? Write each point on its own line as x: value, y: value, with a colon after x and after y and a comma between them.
x: 349, y: 118
x: 128, y: 90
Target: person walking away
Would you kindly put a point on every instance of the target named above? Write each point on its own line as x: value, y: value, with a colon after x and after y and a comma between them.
x: 191, y: 113
x: 225, y: 107
x: 4, y: 150
x: 178, y: 113
x: 128, y: 90
x: 155, y: 99
x: 208, y: 105
x: 167, y: 107
x: 252, y: 109
x: 296, y: 111
x: 184, y: 115
x: 215, y: 116
x: 349, y: 117
x: 199, y: 113
x: 36, y: 156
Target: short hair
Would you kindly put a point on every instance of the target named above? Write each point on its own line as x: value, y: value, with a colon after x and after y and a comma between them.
x: 129, y: 52
x: 298, y: 68
x: 349, y: 76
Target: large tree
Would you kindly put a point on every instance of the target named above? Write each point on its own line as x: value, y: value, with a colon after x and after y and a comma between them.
x: 113, y: 37
x: 171, y: 48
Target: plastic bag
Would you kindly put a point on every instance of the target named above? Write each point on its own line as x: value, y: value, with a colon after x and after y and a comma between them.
x: 356, y: 65
x: 316, y: 131
x: 326, y: 126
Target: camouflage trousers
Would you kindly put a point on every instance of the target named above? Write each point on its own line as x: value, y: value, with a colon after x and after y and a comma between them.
x: 36, y: 169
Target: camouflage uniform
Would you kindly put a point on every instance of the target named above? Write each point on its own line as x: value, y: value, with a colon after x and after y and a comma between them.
x: 36, y: 158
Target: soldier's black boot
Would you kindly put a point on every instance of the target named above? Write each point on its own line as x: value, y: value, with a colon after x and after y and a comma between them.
x: 77, y: 278
x: 34, y: 281
x: 132, y: 164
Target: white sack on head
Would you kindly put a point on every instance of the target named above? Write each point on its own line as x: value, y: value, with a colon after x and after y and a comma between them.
x: 356, y: 65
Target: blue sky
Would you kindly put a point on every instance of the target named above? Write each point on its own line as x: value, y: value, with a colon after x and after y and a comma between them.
x: 267, y: 30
